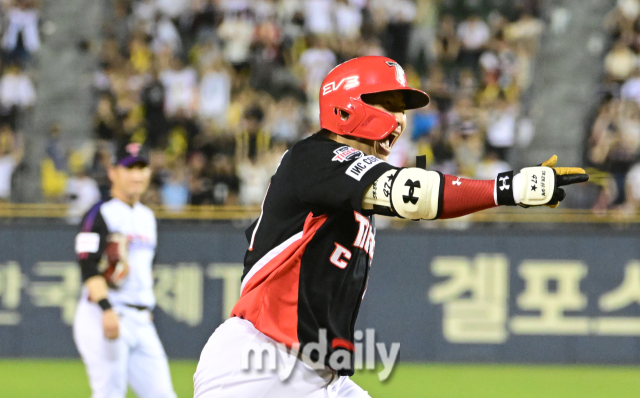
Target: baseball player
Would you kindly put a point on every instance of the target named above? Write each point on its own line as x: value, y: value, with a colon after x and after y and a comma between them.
x: 310, y: 251
x: 113, y: 328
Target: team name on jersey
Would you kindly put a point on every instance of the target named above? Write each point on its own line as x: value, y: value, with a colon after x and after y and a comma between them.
x: 346, y: 154
x: 140, y: 241
x: 346, y: 83
x: 365, y: 240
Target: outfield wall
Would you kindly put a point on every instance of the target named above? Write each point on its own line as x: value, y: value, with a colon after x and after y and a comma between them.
x: 480, y: 295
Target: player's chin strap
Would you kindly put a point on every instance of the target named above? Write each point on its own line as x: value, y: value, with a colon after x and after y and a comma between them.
x: 410, y: 192
x: 537, y: 186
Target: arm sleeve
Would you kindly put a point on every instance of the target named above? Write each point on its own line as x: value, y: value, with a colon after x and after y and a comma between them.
x: 334, y: 177
x: 91, y: 242
x: 462, y: 196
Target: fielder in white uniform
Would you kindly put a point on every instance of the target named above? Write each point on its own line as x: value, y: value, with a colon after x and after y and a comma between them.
x: 113, y: 328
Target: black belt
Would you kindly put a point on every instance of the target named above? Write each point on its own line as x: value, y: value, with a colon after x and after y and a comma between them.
x: 138, y: 307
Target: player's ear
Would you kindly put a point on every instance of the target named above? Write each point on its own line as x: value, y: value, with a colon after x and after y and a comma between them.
x: 112, y: 173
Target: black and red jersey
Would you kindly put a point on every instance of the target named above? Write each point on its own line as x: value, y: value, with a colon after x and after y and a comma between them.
x: 310, y: 251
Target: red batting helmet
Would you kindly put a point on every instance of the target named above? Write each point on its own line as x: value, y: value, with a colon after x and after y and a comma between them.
x: 343, y: 87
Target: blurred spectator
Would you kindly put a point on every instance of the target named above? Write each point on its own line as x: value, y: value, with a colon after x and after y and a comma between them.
x: 140, y: 55
x: 527, y: 28
x: 144, y: 13
x: 620, y: 62
x: 253, y: 142
x: 215, y: 93
x: 225, y: 181
x: 21, y: 37
x: 501, y: 127
x: 55, y: 148
x: 165, y: 35
x: 401, y: 14
x: 106, y: 123
x: 318, y: 16
x: 159, y: 173
x: 423, y: 34
x: 207, y: 16
x: 424, y: 121
x: 120, y: 27
x: 632, y: 189
x: 491, y: 166
x: 317, y: 61
x: 287, y: 120
x: 173, y: 9
x: 631, y: 88
x: 348, y: 17
x: 53, y: 168
x: 11, y: 153
x: 110, y: 57
x: 474, y: 34
x: 465, y: 137
x: 615, y: 141
x: 236, y: 32
x: 614, y: 137
x: 99, y: 167
x: 153, y: 98
x: 200, y: 185
x: 447, y: 46
x: 467, y: 83
x: 81, y: 191
x: 254, y: 176
x: 16, y: 94
x: 622, y: 17
x: 439, y: 89
x: 175, y: 191
x: 180, y: 84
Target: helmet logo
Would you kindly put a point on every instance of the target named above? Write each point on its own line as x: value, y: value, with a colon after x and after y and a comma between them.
x: 133, y: 148
x: 400, y: 77
x: 349, y: 82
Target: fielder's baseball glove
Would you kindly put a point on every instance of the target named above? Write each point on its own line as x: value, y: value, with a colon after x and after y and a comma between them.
x: 114, y: 265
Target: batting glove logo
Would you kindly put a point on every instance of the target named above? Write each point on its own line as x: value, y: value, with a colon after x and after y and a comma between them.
x: 504, y: 181
x: 412, y: 186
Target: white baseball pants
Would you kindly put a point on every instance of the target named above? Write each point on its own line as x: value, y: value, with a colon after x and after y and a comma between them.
x: 220, y: 372
x: 136, y: 357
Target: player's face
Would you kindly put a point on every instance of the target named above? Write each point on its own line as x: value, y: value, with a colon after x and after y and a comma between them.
x: 129, y: 183
x: 392, y: 102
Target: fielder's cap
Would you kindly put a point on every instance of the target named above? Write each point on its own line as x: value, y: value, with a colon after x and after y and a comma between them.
x: 130, y: 154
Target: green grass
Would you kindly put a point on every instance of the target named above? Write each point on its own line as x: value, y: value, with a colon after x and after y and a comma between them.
x: 67, y: 378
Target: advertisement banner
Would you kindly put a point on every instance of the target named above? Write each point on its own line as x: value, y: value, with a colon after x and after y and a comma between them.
x: 479, y: 295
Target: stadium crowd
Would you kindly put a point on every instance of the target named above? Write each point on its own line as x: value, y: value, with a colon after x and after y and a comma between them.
x: 219, y: 89
x: 19, y: 42
x: 614, y: 136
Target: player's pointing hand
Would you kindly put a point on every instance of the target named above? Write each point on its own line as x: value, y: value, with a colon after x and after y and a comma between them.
x: 539, y: 185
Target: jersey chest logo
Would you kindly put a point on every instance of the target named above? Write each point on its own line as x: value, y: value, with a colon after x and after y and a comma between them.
x: 346, y: 154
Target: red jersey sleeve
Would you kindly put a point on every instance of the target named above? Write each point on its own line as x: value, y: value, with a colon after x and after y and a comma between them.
x: 462, y: 196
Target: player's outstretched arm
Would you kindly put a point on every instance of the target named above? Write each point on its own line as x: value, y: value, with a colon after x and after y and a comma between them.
x: 415, y: 193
